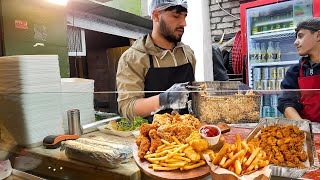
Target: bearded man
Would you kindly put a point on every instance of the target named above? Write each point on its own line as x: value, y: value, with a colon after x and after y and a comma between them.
x: 152, y: 74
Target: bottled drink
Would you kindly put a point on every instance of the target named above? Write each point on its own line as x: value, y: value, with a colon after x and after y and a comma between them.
x: 277, y: 52
x: 252, y: 51
x: 263, y: 52
x: 270, y: 52
x: 258, y: 53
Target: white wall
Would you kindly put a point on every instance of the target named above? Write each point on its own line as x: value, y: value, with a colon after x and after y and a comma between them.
x: 198, y: 36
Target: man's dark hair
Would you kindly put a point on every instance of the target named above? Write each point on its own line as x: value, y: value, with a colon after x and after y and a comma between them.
x: 312, y: 24
x: 178, y: 9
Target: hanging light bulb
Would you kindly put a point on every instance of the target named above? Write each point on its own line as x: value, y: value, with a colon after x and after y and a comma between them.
x: 59, y: 2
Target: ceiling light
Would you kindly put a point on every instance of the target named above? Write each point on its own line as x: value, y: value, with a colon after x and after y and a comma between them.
x: 59, y: 2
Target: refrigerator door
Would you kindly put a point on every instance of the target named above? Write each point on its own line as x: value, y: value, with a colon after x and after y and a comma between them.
x: 270, y: 34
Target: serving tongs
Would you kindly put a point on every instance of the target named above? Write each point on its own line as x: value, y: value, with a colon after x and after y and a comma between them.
x: 202, y: 87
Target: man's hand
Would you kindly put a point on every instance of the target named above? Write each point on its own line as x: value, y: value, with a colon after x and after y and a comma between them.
x: 175, y: 97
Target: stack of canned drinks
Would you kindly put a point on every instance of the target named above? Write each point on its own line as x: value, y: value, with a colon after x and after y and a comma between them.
x: 268, y: 78
x: 270, y: 104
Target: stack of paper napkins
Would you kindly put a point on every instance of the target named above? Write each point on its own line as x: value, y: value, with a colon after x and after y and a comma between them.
x: 30, y: 102
x: 78, y: 94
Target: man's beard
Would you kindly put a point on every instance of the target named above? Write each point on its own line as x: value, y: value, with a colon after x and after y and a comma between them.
x: 167, y: 34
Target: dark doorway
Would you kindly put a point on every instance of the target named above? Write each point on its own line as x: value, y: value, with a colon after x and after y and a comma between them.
x: 100, y: 64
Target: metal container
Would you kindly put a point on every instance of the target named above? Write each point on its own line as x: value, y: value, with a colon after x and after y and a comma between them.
x: 74, y: 125
x: 272, y: 84
x: 256, y: 73
x: 278, y: 84
x: 312, y: 162
x: 224, y: 101
x: 274, y: 100
x: 280, y: 72
x: 264, y: 84
x: 266, y: 111
x: 265, y: 73
x: 257, y: 85
x: 266, y: 100
x: 272, y: 73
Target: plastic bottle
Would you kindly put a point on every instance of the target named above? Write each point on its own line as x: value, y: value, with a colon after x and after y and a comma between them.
x: 252, y: 53
x: 254, y: 27
x: 263, y: 52
x: 258, y: 53
x: 270, y: 52
x: 277, y: 52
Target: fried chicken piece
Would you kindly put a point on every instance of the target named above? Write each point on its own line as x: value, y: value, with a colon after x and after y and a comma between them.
x: 193, y: 136
x: 188, y: 120
x: 199, y: 145
x: 192, y: 154
x: 303, y: 156
x: 162, y: 119
x: 180, y: 131
x: 155, y: 140
x: 145, y: 128
x: 284, y: 144
x: 144, y: 145
x: 143, y: 141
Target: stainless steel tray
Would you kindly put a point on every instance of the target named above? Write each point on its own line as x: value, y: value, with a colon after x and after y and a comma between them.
x: 312, y: 162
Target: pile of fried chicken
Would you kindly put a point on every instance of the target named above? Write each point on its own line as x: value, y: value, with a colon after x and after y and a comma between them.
x: 284, y: 144
x: 165, y: 126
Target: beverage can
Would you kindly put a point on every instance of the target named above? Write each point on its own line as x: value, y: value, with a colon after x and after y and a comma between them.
x: 264, y: 84
x: 266, y: 111
x: 257, y: 85
x: 273, y: 111
x: 274, y: 100
x: 272, y: 84
x: 266, y: 100
x: 272, y: 73
x: 280, y: 72
x: 265, y: 73
x: 256, y: 73
x: 278, y: 84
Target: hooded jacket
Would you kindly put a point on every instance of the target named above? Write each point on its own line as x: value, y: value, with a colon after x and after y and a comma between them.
x: 134, y: 65
x: 292, y: 99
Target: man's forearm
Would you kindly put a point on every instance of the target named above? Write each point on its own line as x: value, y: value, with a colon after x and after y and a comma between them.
x: 291, y: 113
x: 144, y: 107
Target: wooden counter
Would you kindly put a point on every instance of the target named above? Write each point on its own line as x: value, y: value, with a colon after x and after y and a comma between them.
x: 72, y: 169
x: 55, y: 164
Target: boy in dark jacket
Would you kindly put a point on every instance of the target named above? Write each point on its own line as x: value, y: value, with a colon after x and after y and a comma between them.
x: 304, y: 104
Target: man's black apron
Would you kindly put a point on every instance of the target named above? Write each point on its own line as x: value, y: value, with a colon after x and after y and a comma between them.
x: 161, y: 79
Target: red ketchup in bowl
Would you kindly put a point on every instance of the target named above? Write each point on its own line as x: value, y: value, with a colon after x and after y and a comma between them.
x: 209, y: 131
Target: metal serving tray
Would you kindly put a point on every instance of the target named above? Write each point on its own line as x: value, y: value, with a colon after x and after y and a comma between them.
x: 312, y: 162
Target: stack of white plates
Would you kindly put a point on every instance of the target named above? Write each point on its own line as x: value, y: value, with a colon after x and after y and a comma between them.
x: 30, y: 104
x: 78, y: 93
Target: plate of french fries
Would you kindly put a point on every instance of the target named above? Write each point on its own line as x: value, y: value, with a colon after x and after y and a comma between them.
x: 240, y: 158
x: 170, y: 161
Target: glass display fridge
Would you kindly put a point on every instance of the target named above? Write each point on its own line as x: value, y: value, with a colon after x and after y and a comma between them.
x: 268, y: 34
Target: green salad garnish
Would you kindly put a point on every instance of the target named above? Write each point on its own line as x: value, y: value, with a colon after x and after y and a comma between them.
x: 137, y: 122
x: 127, y: 125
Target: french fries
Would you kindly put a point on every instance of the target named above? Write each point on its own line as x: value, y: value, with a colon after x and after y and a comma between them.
x: 172, y: 156
x: 240, y: 157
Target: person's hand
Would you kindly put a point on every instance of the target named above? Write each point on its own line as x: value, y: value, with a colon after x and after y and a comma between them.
x: 175, y: 97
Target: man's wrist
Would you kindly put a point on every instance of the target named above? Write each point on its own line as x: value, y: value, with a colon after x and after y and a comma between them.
x: 163, y: 99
